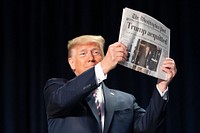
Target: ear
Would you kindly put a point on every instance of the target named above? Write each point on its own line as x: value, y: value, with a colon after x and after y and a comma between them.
x: 71, y: 63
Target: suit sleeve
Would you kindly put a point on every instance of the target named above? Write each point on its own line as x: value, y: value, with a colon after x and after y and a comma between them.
x: 150, y: 120
x: 61, y: 95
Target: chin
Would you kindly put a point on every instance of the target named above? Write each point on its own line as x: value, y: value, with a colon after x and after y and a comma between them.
x: 88, y: 67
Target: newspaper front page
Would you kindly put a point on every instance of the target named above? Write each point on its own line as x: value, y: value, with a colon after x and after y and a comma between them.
x: 147, y: 40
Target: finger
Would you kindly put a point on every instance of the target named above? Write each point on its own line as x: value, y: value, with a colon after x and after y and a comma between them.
x: 168, y: 61
x: 118, y: 44
x: 120, y: 56
x: 169, y: 69
x: 120, y: 51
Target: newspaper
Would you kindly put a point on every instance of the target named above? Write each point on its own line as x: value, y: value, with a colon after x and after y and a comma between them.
x: 147, y: 40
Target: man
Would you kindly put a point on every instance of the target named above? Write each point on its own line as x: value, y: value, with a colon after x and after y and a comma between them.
x: 71, y: 105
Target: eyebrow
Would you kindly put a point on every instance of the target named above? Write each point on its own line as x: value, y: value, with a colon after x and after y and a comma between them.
x: 85, y: 49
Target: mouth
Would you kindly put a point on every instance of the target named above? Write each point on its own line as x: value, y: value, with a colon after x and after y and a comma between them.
x: 91, y: 65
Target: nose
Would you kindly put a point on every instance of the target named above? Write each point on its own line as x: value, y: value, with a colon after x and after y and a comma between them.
x: 90, y: 56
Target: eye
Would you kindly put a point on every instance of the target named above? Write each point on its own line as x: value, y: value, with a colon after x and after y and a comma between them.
x: 96, y: 52
x: 82, y: 53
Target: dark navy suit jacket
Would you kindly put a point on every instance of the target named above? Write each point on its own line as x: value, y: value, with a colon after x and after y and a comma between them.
x: 70, y: 108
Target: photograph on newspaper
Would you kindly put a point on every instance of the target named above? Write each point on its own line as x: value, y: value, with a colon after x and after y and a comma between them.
x: 147, y: 40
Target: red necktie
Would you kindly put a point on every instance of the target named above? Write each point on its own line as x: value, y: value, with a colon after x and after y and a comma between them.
x: 98, y: 105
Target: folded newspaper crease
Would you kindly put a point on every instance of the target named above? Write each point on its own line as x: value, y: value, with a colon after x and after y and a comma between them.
x: 147, y: 40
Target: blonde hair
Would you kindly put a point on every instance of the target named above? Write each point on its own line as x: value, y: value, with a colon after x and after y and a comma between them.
x: 85, y: 39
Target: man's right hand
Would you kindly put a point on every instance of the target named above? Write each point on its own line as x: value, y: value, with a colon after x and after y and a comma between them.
x: 117, y: 52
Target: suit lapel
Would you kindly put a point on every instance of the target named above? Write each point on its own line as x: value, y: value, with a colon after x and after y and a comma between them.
x: 110, y: 104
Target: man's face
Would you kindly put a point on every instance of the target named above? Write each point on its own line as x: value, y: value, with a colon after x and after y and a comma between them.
x: 85, y: 56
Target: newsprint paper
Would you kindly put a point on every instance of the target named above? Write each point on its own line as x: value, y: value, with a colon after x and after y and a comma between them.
x: 147, y: 40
